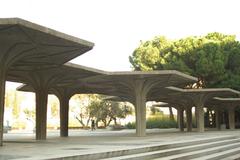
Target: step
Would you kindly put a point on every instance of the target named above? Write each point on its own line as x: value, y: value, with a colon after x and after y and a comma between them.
x: 145, y: 149
x: 233, y: 157
x: 201, y: 153
x: 228, y: 154
x: 174, y: 150
x: 141, y: 149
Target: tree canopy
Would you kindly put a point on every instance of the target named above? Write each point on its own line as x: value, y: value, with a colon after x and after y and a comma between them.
x: 214, y: 58
x: 107, y: 111
x: 101, y: 110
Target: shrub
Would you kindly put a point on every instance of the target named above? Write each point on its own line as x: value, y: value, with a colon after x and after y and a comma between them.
x: 156, y: 122
x: 130, y: 125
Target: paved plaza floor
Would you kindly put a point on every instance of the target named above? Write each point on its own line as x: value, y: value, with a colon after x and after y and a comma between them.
x: 21, y: 144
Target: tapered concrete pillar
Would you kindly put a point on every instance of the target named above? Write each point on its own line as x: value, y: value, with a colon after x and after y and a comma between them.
x: 196, y: 116
x: 140, y: 109
x: 41, y: 113
x: 64, y: 95
x: 218, y: 119
x: 200, y: 118
x: 231, y: 118
x: 189, y: 118
x: 64, y: 111
x: 2, y: 98
x: 180, y: 116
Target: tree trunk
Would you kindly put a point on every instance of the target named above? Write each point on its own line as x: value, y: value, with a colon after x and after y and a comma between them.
x: 80, y: 121
x: 115, y: 121
x: 105, y: 123
x: 97, y: 123
x: 110, y: 120
x: 88, y: 121
x: 171, y: 117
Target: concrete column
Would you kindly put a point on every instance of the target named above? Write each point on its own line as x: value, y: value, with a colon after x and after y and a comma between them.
x: 41, y: 113
x: 180, y: 118
x: 2, y: 98
x: 218, y: 119
x: 231, y: 118
x: 200, y: 118
x: 140, y: 109
x: 64, y: 109
x: 189, y: 119
x: 196, y: 116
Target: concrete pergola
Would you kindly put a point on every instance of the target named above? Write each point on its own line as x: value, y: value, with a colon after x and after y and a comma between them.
x: 135, y: 87
x: 197, y: 98
x: 220, y: 104
x: 138, y: 87
x: 185, y: 99
x: 27, y: 47
x: 36, y: 56
x: 56, y: 78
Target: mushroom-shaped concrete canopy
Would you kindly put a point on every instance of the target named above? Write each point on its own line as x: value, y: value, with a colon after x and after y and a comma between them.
x: 64, y: 77
x: 171, y: 97
x: 199, y: 97
x: 26, y: 46
x: 68, y: 74
x: 135, y: 87
x: 224, y: 104
x: 162, y: 104
x: 56, y: 78
x: 114, y: 98
x: 125, y: 84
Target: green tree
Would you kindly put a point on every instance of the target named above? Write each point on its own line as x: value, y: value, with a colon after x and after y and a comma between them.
x: 30, y: 114
x: 117, y: 110
x: 108, y: 111
x: 95, y: 107
x: 82, y: 112
x: 213, y: 58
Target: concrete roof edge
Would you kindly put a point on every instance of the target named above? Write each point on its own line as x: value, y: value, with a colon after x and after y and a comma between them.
x: 19, y: 88
x: 143, y: 72
x: 28, y: 24
x: 203, y: 89
x: 175, y: 88
x: 162, y: 105
x: 153, y: 72
x: 185, y: 75
x: 112, y: 97
x: 227, y: 99
x: 77, y: 66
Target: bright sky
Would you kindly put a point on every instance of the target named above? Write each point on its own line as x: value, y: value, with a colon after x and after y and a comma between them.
x: 117, y: 26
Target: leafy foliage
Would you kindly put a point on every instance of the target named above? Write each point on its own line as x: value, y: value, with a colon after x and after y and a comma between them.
x: 214, y: 58
x: 107, y: 111
x: 101, y: 110
x: 159, y: 121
